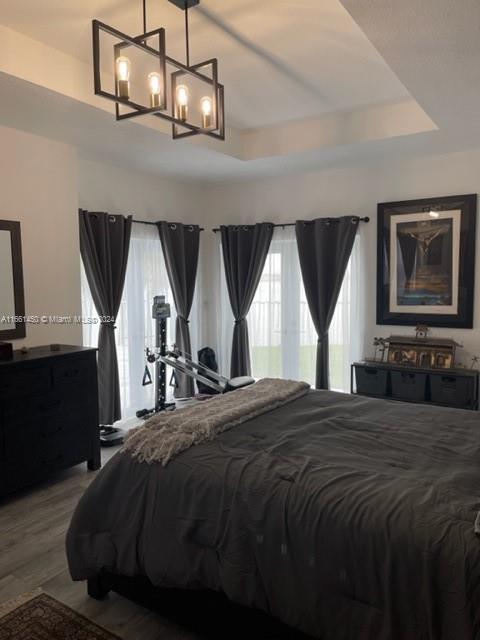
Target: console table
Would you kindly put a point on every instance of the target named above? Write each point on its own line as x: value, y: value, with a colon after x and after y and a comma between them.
x: 48, y: 414
x: 457, y: 388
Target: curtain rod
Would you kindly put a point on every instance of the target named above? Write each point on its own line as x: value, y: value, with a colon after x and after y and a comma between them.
x: 292, y: 224
x: 154, y: 224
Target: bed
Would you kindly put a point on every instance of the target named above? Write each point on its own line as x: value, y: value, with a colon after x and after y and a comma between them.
x: 344, y: 517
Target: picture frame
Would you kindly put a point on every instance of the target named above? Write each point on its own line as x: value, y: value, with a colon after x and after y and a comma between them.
x: 403, y: 356
x: 443, y: 360
x: 426, y: 359
x: 426, y: 261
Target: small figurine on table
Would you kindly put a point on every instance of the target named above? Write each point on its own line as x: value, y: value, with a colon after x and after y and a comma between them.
x: 475, y: 361
x: 421, y: 331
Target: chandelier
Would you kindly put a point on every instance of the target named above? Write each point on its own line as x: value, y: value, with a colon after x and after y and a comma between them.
x: 146, y: 80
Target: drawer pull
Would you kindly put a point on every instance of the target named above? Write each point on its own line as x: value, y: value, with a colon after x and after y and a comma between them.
x: 53, y: 432
x: 72, y: 373
x: 57, y: 458
x: 46, y: 406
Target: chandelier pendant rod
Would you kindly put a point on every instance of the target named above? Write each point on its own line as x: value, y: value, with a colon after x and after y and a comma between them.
x: 187, y: 39
x: 144, y: 16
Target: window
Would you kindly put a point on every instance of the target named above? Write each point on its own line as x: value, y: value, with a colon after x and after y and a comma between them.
x: 283, y: 339
x: 145, y: 278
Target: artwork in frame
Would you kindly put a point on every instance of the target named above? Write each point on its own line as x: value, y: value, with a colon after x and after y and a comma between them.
x: 426, y: 261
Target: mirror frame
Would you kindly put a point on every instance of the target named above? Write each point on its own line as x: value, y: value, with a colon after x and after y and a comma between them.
x: 18, y: 290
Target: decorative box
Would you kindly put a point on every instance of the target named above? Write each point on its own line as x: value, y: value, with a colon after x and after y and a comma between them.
x: 425, y: 353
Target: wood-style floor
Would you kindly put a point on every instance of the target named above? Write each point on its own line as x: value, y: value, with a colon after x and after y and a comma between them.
x: 32, y: 554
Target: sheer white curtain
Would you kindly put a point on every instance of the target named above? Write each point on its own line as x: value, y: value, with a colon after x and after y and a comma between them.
x: 146, y: 277
x: 283, y: 340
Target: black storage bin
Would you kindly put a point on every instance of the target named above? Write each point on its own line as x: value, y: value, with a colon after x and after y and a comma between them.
x: 407, y: 385
x: 371, y: 381
x: 453, y: 390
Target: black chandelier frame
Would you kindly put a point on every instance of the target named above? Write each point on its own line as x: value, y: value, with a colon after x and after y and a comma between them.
x: 216, y: 130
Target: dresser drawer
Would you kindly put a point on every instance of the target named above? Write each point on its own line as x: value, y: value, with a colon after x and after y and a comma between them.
x: 34, y: 465
x: 17, y: 383
x: 44, y: 407
x: 30, y: 431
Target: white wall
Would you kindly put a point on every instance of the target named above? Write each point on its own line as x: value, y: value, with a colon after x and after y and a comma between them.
x: 38, y: 187
x: 42, y: 185
x: 344, y: 191
x: 104, y: 187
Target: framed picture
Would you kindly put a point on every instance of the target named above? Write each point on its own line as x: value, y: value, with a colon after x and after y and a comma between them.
x: 402, y: 356
x: 426, y: 359
x: 426, y: 262
x: 443, y: 360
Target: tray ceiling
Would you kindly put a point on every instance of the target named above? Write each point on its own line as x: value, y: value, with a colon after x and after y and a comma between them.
x: 280, y: 60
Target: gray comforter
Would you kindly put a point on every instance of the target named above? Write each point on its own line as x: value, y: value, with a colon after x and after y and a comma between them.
x: 345, y: 517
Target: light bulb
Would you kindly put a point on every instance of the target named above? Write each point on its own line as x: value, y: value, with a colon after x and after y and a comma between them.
x: 123, y: 77
x: 182, y: 102
x: 155, y: 86
x: 123, y: 68
x: 434, y: 214
x: 206, y: 107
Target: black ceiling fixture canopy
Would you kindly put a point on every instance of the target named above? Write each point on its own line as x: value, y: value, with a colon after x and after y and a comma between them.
x: 188, y: 96
x: 185, y: 4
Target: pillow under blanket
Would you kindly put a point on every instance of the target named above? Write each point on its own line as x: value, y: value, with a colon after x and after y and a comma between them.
x: 167, y: 434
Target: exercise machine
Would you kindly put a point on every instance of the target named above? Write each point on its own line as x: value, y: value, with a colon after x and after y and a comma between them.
x: 181, y: 362
x: 160, y: 313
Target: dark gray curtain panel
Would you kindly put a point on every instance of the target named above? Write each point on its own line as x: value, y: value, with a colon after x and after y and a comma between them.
x: 180, y: 244
x: 104, y: 244
x: 324, y: 249
x: 245, y: 250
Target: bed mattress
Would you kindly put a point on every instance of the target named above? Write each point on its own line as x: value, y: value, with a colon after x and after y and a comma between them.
x: 345, y: 517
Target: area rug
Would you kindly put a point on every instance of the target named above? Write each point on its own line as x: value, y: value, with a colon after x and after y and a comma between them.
x: 37, y: 616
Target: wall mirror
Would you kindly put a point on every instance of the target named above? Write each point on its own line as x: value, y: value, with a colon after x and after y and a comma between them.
x: 12, y: 301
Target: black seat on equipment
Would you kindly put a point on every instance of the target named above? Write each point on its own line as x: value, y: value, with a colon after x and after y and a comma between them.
x: 238, y: 383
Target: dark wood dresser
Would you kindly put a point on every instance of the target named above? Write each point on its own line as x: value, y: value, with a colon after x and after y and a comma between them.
x: 457, y: 388
x: 48, y: 414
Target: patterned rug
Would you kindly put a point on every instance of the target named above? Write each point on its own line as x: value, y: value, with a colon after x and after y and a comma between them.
x: 36, y: 616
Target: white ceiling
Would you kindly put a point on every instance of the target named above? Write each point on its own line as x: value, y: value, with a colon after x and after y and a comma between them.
x: 309, y: 83
x: 434, y: 47
x: 280, y: 60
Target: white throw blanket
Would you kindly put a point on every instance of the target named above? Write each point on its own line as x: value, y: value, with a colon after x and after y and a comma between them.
x: 167, y: 434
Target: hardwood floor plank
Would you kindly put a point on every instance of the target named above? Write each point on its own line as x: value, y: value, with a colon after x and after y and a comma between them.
x: 11, y: 587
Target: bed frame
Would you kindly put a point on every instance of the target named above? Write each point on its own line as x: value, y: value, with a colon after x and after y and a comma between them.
x: 210, y: 614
